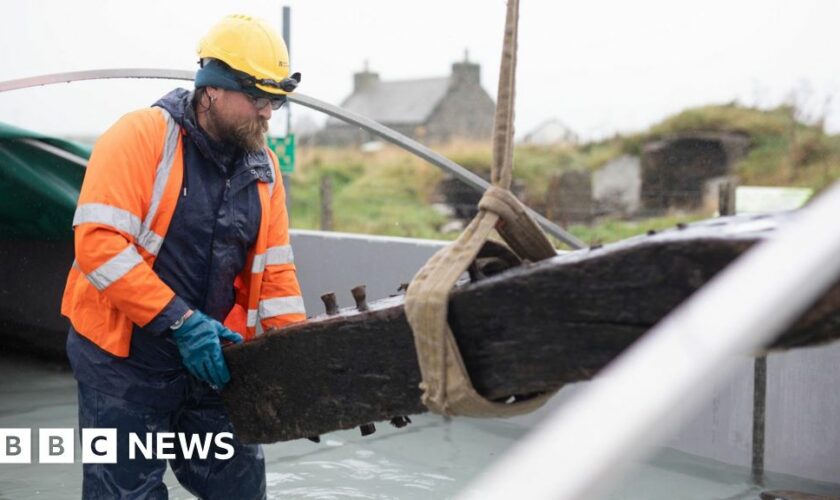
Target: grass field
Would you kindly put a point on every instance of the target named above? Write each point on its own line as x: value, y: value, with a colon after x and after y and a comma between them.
x: 389, y: 191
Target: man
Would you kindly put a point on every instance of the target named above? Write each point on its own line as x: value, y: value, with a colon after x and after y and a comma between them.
x: 181, y: 238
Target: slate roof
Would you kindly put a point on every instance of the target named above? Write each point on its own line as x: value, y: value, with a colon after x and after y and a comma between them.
x: 397, y: 102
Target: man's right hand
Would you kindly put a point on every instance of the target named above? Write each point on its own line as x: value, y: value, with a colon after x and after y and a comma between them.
x: 201, y: 350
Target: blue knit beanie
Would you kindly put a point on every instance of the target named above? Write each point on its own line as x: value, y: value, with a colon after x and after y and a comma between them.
x: 215, y: 73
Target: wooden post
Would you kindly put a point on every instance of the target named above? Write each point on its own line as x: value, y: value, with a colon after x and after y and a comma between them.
x: 759, y: 412
x: 726, y: 198
x: 326, y: 203
x: 726, y: 201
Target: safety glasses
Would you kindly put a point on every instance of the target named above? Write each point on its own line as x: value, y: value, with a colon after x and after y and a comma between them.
x: 261, y: 102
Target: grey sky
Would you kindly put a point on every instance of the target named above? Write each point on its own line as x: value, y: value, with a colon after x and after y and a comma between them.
x: 600, y: 66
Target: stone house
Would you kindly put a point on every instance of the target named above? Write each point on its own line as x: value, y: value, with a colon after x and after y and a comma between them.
x: 431, y: 110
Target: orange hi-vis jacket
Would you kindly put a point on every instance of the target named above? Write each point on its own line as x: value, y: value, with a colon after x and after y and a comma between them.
x: 126, y: 204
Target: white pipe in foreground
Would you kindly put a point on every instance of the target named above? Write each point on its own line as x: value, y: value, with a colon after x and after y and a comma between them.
x: 640, y: 398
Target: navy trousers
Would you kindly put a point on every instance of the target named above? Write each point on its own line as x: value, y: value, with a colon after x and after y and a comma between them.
x: 242, y: 476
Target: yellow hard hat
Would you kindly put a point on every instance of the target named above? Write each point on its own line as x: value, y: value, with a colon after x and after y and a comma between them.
x: 250, y: 46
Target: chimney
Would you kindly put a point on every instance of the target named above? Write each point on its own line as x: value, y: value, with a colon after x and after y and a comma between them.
x: 364, y: 80
x: 465, y: 73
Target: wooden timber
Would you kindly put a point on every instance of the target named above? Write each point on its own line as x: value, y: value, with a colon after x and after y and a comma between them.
x: 793, y: 495
x: 528, y: 329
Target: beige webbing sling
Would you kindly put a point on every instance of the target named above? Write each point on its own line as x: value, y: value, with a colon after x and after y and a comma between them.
x: 446, y: 385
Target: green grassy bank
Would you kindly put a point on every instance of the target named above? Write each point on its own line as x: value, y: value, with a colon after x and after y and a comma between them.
x: 388, y: 192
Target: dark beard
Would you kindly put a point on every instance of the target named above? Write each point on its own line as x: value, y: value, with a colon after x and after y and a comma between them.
x: 249, y: 135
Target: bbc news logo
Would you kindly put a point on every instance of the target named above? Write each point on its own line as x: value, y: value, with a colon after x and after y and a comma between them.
x: 99, y: 446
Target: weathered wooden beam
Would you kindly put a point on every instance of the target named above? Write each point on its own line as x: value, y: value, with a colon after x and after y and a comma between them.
x: 793, y: 495
x: 529, y: 329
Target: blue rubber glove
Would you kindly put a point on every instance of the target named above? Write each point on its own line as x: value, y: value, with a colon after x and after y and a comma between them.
x: 201, y: 351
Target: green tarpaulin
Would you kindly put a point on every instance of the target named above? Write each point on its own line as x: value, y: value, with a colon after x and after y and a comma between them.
x: 40, y: 177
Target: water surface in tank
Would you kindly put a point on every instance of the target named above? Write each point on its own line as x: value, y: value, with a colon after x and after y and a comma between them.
x: 432, y: 458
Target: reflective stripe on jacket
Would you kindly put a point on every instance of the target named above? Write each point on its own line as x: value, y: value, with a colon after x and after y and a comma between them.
x: 125, y: 207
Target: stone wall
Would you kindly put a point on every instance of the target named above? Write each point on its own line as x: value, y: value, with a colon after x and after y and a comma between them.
x: 569, y: 198
x: 675, y: 169
x: 616, y: 187
x: 462, y: 199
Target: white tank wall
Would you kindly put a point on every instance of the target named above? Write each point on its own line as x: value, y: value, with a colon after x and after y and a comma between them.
x: 803, y: 400
x: 722, y: 430
x: 337, y: 262
x: 803, y: 413
x: 802, y: 423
